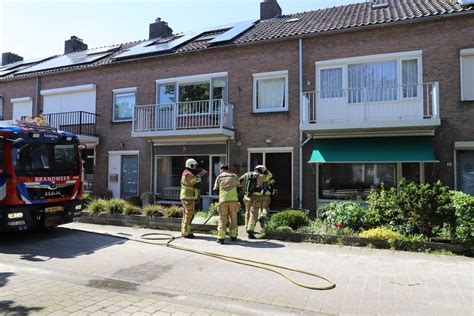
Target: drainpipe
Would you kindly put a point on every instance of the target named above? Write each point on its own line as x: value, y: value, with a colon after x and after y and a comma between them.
x: 37, y: 96
x: 300, y: 175
x: 152, y: 161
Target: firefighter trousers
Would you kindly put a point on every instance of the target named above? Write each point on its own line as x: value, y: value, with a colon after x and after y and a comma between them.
x: 227, y: 212
x: 252, y: 206
x: 189, y: 206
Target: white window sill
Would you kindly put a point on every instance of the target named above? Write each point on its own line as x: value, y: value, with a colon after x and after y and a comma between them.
x: 270, y: 110
x: 122, y: 121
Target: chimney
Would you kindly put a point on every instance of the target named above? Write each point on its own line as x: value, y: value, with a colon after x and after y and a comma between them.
x: 75, y: 44
x: 9, y: 58
x: 269, y: 9
x: 160, y: 29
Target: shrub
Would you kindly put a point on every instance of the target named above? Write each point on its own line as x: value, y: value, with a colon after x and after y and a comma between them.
x: 284, y: 229
x: 173, y: 211
x: 345, y: 214
x: 116, y: 206
x: 154, y: 210
x: 131, y: 209
x: 98, y: 206
x: 383, y: 209
x: 85, y: 199
x: 314, y: 227
x: 463, y: 205
x: 425, y: 206
x: 291, y: 218
x: 381, y: 234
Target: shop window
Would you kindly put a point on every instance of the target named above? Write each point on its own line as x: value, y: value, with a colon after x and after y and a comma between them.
x: 354, y: 181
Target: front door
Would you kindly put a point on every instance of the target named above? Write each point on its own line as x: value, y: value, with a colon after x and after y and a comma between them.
x: 466, y: 172
x: 279, y: 164
x: 129, y: 176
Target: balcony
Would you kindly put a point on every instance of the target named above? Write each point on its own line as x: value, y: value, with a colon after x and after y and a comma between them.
x: 193, y: 118
x: 384, y: 109
x: 83, y: 124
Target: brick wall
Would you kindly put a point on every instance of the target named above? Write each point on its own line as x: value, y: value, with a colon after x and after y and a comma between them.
x: 441, y: 42
x: 240, y: 63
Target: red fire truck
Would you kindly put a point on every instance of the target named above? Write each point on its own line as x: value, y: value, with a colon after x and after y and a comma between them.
x: 40, y: 177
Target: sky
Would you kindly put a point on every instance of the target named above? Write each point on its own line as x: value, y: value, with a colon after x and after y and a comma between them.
x: 38, y: 28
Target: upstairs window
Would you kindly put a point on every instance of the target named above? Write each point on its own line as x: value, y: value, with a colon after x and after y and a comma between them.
x: 371, y: 82
x: 331, y: 83
x: 124, y: 103
x: 410, y: 78
x: 467, y: 74
x: 378, y: 78
x: 270, y: 92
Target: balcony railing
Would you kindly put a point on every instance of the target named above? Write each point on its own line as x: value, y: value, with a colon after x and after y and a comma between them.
x: 392, y: 103
x: 206, y: 114
x: 78, y: 122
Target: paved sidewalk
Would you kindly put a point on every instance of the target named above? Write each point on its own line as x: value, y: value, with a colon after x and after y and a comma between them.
x: 369, y: 281
x: 23, y: 295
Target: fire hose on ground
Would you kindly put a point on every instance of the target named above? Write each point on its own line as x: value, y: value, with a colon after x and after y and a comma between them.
x: 152, y: 238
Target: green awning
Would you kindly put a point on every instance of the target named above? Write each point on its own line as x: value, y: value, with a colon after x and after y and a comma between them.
x: 373, y: 149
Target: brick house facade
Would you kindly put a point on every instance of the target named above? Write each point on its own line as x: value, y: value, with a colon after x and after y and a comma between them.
x: 270, y: 136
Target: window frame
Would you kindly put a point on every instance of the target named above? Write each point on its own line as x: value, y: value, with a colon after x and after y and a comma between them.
x: 467, y: 52
x: 192, y: 79
x: 116, y: 92
x: 345, y: 62
x: 270, y: 75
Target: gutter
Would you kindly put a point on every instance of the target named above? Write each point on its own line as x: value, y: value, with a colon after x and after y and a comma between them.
x: 272, y: 40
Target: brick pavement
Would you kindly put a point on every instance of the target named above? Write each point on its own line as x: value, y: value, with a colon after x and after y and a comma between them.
x: 369, y: 281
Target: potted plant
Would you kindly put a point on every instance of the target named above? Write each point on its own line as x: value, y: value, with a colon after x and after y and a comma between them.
x: 147, y: 198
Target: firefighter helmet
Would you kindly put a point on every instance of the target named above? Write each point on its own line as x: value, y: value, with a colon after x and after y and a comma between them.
x: 260, y: 168
x: 191, y: 164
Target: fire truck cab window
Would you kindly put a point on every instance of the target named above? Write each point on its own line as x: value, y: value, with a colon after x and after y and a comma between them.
x: 46, y: 159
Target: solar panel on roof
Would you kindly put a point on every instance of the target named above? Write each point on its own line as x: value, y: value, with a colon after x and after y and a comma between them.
x: 148, y: 47
x: 23, y: 63
x: 73, y: 59
x: 102, y: 50
x: 235, y: 31
x: 4, y: 72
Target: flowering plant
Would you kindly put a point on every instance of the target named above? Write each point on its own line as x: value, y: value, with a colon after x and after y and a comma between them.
x: 36, y: 120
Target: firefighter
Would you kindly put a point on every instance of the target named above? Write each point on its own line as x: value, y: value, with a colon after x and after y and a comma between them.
x: 252, y: 197
x: 227, y: 184
x: 190, y: 183
x: 267, y: 191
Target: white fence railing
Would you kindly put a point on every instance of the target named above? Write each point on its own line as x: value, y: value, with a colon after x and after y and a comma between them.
x: 403, y: 102
x: 183, y: 115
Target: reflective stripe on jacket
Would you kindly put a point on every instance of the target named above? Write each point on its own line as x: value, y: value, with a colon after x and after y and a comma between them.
x: 227, y: 184
x: 188, y: 186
